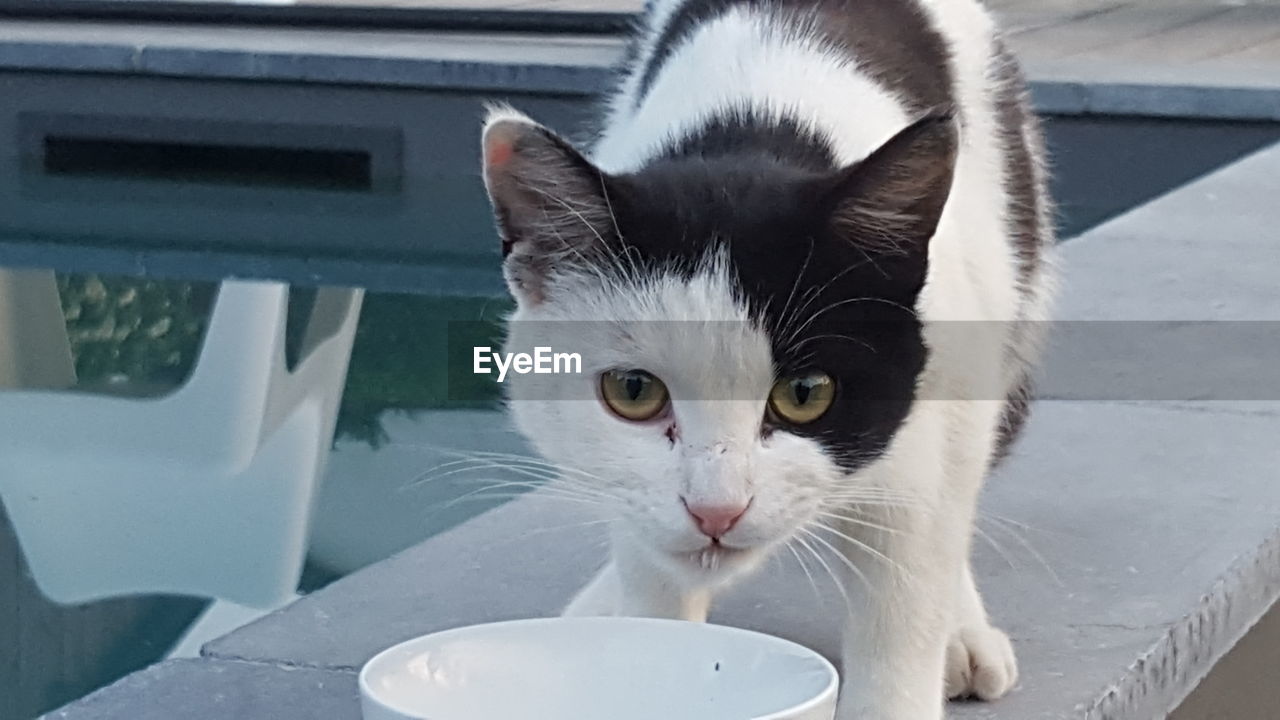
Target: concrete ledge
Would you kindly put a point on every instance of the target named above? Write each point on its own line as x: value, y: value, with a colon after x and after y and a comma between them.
x: 221, y: 691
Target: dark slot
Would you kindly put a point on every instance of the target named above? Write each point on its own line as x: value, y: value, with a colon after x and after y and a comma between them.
x: 319, y: 169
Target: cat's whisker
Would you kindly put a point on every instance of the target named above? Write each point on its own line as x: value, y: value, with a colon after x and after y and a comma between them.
x: 844, y: 558
x: 865, y: 547
x: 528, y: 472
x: 536, y: 478
x: 848, y: 603
x: 1005, y: 519
x: 437, y: 477
x: 469, y: 455
x: 876, y: 490
x: 799, y: 276
x: 840, y: 303
x: 870, y: 495
x: 833, y: 336
x: 542, y: 488
x: 995, y: 546
x: 873, y: 493
x: 860, y: 523
x: 453, y: 467
x: 617, y: 230
x: 440, y: 471
x: 487, y: 493
x: 567, y: 526
x: 508, y: 496
x: 998, y: 521
x: 547, y: 476
x: 813, y: 294
x: 799, y: 560
x: 851, y: 501
x: 606, y: 280
x: 537, y: 461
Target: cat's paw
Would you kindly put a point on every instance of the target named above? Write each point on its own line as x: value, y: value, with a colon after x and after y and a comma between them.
x: 980, y: 663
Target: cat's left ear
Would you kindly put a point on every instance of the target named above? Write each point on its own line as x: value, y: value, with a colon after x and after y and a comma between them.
x: 550, y: 203
x: 889, y: 204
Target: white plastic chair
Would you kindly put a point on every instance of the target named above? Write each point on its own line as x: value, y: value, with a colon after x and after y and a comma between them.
x: 205, y: 491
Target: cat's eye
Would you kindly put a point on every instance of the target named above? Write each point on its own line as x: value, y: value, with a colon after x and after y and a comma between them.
x: 633, y: 395
x: 801, y: 399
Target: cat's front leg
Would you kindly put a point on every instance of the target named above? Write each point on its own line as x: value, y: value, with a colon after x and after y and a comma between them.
x: 980, y: 658
x: 896, y: 640
x: 630, y: 586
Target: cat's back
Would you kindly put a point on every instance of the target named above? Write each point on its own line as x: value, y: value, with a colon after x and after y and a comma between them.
x: 820, y: 62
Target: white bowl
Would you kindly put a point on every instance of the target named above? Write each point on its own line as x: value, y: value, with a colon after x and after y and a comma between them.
x: 598, y: 669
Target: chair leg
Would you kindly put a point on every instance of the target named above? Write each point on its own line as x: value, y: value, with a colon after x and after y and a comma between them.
x: 327, y: 317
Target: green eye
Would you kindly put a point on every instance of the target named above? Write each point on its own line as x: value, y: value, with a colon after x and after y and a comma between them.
x: 802, y: 399
x: 633, y: 395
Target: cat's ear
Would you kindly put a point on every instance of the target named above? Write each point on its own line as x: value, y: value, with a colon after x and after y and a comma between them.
x: 889, y: 204
x: 550, y: 202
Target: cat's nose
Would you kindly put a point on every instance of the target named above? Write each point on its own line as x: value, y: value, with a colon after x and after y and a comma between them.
x: 714, y: 520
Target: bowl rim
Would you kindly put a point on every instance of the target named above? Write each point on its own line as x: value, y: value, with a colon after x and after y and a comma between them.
x: 828, y: 691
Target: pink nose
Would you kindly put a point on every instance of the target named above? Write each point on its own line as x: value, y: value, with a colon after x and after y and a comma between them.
x: 716, y: 520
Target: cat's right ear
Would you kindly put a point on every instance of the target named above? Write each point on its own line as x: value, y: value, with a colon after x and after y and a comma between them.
x: 889, y: 205
x: 551, y: 204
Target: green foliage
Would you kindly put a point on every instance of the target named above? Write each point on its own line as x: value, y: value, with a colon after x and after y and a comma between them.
x: 138, y: 332
x: 143, y: 333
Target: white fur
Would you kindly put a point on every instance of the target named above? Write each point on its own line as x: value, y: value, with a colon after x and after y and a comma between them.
x: 748, y: 60
x: 920, y: 632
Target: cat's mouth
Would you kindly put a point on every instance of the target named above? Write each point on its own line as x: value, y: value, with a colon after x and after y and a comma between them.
x: 714, y: 555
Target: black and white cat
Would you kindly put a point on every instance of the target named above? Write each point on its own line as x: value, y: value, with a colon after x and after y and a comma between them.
x: 814, y: 240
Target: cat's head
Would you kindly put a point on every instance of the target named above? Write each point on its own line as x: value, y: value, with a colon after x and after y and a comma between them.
x: 750, y: 322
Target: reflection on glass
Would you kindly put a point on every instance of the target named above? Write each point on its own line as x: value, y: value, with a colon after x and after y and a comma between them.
x: 141, y: 337
x: 133, y: 336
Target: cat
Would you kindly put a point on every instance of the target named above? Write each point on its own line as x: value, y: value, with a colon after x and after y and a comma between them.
x: 814, y: 240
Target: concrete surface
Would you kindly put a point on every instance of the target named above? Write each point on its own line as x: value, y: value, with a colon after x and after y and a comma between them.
x: 1155, y: 525
x: 221, y: 691
x: 388, y: 488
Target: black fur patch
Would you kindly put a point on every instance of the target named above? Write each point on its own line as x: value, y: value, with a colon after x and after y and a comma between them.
x: 1027, y: 192
x: 742, y: 132
x: 891, y: 40
x: 1016, y: 409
